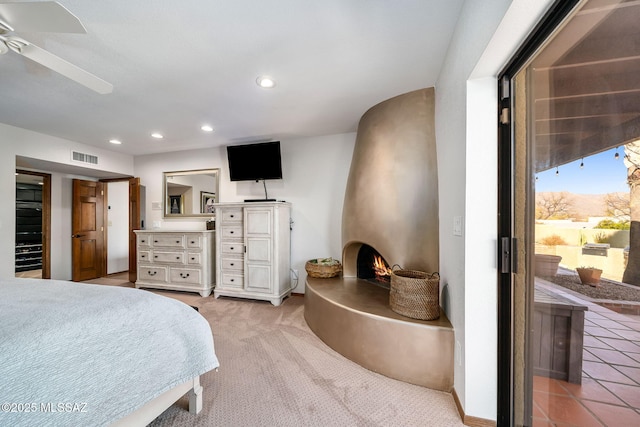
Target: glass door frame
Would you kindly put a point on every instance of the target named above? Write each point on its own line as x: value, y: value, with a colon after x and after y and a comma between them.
x: 507, y: 240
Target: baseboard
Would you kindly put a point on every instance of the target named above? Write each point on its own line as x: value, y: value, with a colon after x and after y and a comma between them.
x: 468, y: 420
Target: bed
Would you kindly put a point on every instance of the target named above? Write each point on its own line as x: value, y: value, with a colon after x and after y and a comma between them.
x: 76, y: 354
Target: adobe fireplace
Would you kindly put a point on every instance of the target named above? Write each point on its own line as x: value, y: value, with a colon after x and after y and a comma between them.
x: 390, y: 217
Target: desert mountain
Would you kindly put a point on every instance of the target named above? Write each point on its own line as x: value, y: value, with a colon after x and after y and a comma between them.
x: 580, y: 206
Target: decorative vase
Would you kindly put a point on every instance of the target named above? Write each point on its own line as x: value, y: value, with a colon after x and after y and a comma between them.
x: 589, y: 276
x: 547, y: 265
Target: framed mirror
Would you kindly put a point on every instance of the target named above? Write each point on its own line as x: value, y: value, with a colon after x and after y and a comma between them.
x: 190, y: 193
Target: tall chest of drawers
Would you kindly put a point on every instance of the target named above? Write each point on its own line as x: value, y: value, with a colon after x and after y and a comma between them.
x: 253, y: 250
x: 176, y: 260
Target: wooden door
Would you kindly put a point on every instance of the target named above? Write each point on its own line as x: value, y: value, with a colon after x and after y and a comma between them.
x: 46, y: 226
x: 87, y: 230
x: 134, y: 224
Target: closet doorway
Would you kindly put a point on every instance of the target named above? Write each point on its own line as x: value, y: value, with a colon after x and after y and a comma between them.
x: 33, y: 224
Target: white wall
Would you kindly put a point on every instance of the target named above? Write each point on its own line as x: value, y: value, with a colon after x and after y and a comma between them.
x: 314, y: 172
x: 60, y: 250
x: 486, y: 36
x: 149, y: 169
x: 20, y: 142
x: 117, y: 226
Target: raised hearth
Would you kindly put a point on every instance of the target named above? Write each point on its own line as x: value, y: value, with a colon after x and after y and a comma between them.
x: 353, y: 317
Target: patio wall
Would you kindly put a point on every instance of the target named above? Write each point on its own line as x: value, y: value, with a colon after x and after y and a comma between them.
x: 612, y: 265
x: 578, y: 236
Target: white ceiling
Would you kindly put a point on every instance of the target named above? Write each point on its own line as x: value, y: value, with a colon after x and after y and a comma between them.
x: 178, y: 64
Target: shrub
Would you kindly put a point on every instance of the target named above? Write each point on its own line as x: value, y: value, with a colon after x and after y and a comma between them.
x: 609, y: 224
x: 552, y: 240
x: 601, y: 237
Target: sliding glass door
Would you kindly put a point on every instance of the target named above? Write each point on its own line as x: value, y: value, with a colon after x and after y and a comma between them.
x: 570, y: 109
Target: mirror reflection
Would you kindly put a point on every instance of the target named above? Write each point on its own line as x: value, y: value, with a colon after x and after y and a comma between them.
x: 190, y: 193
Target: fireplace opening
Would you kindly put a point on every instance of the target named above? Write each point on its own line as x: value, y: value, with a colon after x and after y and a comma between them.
x: 372, y: 267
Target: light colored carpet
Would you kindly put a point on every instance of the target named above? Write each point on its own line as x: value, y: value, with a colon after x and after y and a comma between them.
x: 275, y: 372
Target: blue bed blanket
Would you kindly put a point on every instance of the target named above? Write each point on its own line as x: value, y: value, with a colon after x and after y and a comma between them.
x: 75, y: 354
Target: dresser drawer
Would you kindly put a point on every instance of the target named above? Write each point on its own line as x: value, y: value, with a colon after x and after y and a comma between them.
x: 194, y: 242
x: 168, y: 257
x: 168, y: 240
x: 232, y: 264
x: 228, y: 231
x: 156, y: 274
x: 231, y: 215
x: 144, y: 256
x: 194, y: 258
x: 143, y: 239
x: 232, y: 280
x: 185, y: 275
x: 232, y: 248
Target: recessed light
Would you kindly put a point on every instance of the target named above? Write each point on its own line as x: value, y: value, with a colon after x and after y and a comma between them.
x: 206, y: 128
x: 115, y: 141
x: 157, y: 135
x: 265, y: 82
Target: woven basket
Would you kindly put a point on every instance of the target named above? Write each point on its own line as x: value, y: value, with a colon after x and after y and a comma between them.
x: 322, y: 271
x: 415, y: 294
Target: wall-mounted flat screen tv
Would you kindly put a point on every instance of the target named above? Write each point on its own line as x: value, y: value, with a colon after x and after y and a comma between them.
x: 253, y: 162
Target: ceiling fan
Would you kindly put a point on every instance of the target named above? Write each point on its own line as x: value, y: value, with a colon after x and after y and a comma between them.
x: 47, y: 16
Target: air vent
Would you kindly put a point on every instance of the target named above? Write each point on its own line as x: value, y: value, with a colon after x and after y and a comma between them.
x: 85, y: 158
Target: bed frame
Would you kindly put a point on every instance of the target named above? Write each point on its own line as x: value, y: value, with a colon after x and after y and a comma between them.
x: 151, y: 410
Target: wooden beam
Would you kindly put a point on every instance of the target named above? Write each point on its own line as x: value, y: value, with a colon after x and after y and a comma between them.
x: 618, y: 103
x: 587, y: 79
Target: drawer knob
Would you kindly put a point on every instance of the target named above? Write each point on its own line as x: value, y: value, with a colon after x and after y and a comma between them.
x: 155, y: 241
x: 192, y: 242
x: 231, y: 232
x: 155, y: 256
x: 177, y: 257
x: 193, y: 259
x: 141, y: 256
x: 232, y: 264
x: 142, y: 241
x: 152, y: 273
x: 233, y: 280
x: 231, y: 247
x: 231, y: 216
x: 177, y: 241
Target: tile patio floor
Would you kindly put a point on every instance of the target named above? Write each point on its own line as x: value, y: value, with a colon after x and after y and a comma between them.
x: 610, y: 391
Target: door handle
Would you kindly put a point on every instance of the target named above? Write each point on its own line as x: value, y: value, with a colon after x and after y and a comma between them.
x: 77, y: 235
x: 508, y: 252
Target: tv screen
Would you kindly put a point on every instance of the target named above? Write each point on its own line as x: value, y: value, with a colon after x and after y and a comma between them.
x: 252, y: 162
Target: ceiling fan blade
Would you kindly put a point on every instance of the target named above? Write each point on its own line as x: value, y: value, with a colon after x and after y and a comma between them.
x: 63, y: 67
x: 46, y: 16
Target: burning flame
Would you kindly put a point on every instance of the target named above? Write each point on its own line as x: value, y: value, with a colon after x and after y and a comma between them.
x: 380, y: 267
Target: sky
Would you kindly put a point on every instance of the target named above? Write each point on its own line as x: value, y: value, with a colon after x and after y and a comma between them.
x: 602, y: 173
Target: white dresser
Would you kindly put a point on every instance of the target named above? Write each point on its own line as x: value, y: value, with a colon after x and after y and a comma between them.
x: 253, y: 250
x: 176, y: 260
